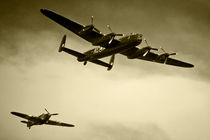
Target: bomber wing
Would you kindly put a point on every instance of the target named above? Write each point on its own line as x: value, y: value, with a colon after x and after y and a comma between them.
x: 51, y: 122
x: 169, y: 61
x: 153, y: 57
x: 92, y: 36
x: 76, y: 28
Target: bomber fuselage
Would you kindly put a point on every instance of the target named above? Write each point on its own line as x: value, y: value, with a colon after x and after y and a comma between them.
x: 124, y: 44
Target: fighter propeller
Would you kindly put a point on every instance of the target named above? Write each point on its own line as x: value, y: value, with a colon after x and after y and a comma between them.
x: 50, y: 114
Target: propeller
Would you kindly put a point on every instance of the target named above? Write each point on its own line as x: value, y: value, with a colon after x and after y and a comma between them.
x: 166, y: 52
x: 146, y: 42
x: 148, y: 48
x: 166, y: 55
x: 112, y: 34
x: 92, y: 25
x: 49, y: 113
x: 91, y: 20
x: 89, y: 27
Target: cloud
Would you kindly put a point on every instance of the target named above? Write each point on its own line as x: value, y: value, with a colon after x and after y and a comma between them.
x: 122, y: 132
x: 27, y: 35
x: 136, y: 100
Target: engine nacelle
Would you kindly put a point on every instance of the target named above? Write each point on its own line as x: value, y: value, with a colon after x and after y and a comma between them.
x: 137, y: 54
x: 141, y: 52
x: 164, y: 57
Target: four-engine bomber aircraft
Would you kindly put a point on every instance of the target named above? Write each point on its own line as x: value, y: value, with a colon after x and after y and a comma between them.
x: 109, y: 45
x: 42, y: 119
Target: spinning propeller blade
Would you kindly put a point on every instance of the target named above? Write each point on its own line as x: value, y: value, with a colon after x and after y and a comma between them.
x: 91, y: 20
x: 172, y: 54
x: 166, y: 52
x: 162, y: 49
x: 110, y: 41
x: 166, y: 55
x: 148, y: 48
x: 54, y: 114
x: 108, y: 26
x: 112, y: 34
x: 49, y: 113
x: 146, y: 42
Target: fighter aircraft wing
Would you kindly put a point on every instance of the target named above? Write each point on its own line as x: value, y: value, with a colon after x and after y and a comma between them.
x: 153, y: 57
x: 51, y: 122
x: 25, y: 116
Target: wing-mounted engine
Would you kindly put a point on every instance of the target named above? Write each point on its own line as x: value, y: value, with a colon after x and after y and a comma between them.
x: 143, y: 51
x: 164, y: 57
x: 106, y: 39
x: 89, y: 27
x: 147, y: 49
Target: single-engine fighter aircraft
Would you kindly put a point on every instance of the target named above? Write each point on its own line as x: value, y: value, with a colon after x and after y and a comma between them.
x: 109, y: 45
x: 39, y: 120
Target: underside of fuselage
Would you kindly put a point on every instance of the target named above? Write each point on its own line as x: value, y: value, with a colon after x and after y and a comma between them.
x: 125, y: 44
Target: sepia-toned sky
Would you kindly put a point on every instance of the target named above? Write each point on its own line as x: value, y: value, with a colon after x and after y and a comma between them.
x: 136, y: 100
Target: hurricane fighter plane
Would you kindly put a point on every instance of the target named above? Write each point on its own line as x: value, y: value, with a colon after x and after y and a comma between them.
x: 41, y: 119
x: 108, y: 45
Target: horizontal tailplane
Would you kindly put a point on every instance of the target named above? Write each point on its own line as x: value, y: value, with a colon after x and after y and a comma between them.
x: 111, y: 62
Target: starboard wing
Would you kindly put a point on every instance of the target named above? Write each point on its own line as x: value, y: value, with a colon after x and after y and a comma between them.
x: 153, y: 57
x: 175, y: 62
x: 51, y: 122
x: 170, y: 61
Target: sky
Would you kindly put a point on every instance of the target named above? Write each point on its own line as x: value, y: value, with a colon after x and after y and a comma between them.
x: 135, y: 100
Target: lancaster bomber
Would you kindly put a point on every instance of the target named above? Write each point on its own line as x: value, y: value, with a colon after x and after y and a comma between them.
x: 108, y: 45
x: 41, y: 119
